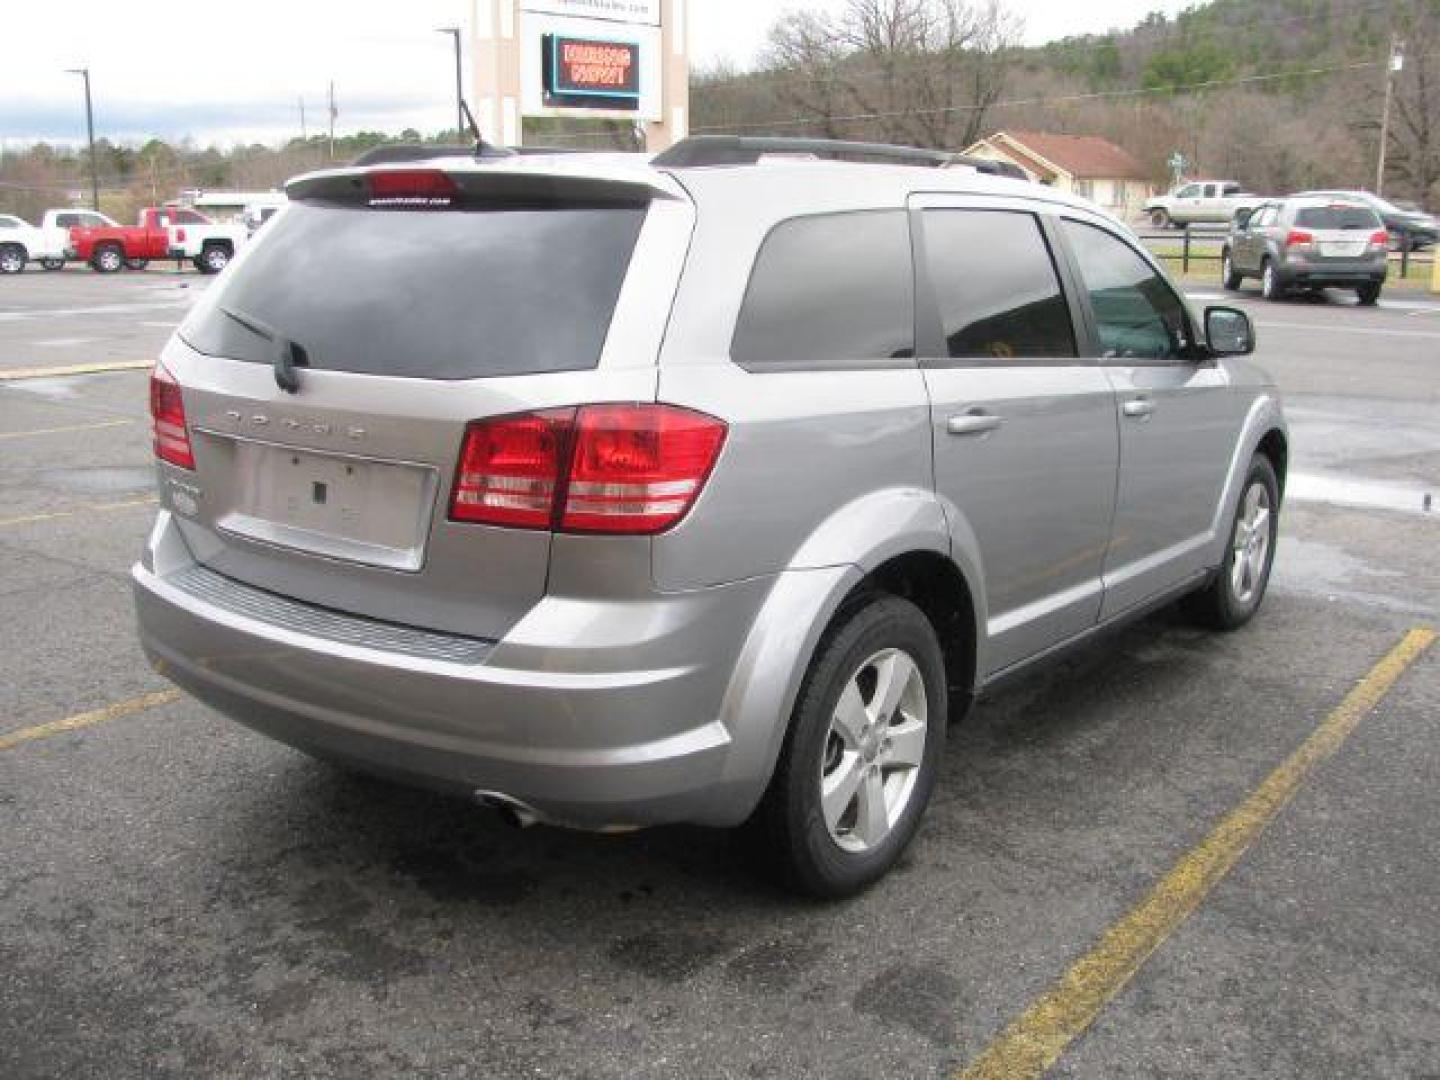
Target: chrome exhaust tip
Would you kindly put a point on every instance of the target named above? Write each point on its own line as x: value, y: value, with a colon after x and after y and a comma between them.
x: 511, y: 810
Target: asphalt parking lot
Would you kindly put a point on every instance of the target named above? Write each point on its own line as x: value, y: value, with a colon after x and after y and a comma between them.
x: 183, y: 898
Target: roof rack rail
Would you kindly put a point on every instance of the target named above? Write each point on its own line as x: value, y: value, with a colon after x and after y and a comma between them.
x: 700, y: 150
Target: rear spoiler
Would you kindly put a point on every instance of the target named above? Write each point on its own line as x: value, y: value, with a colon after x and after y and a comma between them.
x: 497, y: 187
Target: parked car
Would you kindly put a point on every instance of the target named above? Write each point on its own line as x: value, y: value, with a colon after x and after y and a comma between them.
x: 160, y: 232
x: 1307, y: 243
x: 48, y: 244
x: 1410, y: 229
x: 714, y: 505
x: 1199, y: 201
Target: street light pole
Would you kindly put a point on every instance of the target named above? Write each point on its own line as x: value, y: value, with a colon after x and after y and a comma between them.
x: 454, y: 32
x: 1394, y: 64
x: 84, y: 73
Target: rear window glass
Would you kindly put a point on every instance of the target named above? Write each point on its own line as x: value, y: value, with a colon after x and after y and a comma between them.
x: 456, y: 294
x: 1337, y: 217
x: 830, y: 290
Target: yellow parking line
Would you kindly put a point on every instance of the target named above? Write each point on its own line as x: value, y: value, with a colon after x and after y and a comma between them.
x: 97, y: 508
x: 16, y: 374
x: 88, y: 719
x: 64, y: 430
x: 1037, y: 1038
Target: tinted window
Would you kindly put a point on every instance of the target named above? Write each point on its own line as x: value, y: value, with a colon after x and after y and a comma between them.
x: 834, y: 290
x: 1136, y: 313
x: 456, y: 294
x: 8, y: 223
x: 67, y: 221
x: 1337, y: 217
x: 996, y: 286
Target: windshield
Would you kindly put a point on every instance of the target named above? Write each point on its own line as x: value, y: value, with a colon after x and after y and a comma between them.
x: 427, y: 294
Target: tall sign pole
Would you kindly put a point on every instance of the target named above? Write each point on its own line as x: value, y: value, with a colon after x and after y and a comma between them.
x: 454, y: 32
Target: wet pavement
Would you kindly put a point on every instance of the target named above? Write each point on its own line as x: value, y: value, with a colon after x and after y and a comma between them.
x: 183, y: 898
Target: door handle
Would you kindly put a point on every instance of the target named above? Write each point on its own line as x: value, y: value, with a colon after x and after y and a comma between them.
x: 973, y: 423
x: 1140, y: 408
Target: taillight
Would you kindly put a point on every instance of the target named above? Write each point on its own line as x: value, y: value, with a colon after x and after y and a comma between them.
x: 634, y: 469
x: 1299, y: 238
x: 637, y: 468
x: 1379, y: 238
x: 510, y: 469
x: 167, y: 415
x: 180, y: 235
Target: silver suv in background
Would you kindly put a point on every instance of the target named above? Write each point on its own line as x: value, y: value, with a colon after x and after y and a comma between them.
x: 1307, y: 243
x: 708, y: 488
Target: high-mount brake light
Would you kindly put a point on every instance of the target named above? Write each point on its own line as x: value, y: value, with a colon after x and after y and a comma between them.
x: 167, y: 416
x: 412, y: 184
x: 633, y: 469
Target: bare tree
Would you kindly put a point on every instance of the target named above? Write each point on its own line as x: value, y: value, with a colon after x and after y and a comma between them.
x: 1414, y: 155
x: 920, y: 71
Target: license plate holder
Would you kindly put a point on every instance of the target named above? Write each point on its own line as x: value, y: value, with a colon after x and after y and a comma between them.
x: 335, y: 505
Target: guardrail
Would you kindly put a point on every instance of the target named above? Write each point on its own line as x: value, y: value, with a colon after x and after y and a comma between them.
x: 1205, y: 245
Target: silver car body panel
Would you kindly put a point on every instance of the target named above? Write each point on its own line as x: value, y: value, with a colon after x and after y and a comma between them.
x: 635, y: 680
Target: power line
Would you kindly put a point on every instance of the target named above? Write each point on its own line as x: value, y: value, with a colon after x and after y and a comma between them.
x: 1098, y: 95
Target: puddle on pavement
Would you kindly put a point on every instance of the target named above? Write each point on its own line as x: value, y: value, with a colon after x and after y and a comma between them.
x: 1371, y: 494
x: 1319, y: 569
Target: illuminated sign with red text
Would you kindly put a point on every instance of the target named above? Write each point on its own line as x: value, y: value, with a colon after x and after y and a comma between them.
x: 604, y: 74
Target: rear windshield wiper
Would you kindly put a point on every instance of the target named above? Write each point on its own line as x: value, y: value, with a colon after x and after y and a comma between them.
x: 288, y: 354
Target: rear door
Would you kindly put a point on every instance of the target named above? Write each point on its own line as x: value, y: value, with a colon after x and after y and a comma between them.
x: 402, y: 319
x: 1341, y: 232
x: 1177, y: 416
x: 1023, y: 429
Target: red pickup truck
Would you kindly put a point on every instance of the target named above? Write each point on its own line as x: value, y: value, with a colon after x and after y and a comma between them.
x: 162, y: 232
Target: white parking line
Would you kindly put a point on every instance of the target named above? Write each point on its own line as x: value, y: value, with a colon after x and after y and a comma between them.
x: 64, y: 342
x: 1328, y: 328
x: 98, y: 309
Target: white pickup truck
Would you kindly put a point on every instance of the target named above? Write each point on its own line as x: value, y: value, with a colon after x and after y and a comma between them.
x: 1200, y: 200
x: 48, y: 244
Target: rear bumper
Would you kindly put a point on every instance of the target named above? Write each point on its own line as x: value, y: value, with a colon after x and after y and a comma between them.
x: 1336, y: 273
x: 610, y: 740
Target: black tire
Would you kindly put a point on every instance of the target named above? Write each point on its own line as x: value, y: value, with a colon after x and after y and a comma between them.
x: 136, y: 264
x: 1229, y: 277
x: 1270, y: 286
x: 108, y: 259
x: 213, y: 258
x: 12, y: 259
x: 1369, y: 294
x: 789, y: 826
x: 1160, y: 219
x: 1223, y: 604
x: 52, y: 264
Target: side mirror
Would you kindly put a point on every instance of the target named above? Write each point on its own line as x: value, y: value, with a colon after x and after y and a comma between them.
x: 1242, y: 218
x: 1228, y: 332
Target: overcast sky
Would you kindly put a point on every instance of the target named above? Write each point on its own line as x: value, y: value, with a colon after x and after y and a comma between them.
x: 236, y: 71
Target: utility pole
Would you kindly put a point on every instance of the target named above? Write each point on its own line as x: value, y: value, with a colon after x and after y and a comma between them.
x: 333, y: 113
x: 84, y: 73
x: 304, y: 136
x: 454, y: 32
x: 1393, y: 66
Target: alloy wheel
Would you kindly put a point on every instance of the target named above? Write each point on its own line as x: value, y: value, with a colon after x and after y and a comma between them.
x: 873, y: 751
x: 1250, y: 544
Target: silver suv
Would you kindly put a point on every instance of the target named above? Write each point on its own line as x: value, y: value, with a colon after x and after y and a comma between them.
x: 1307, y: 243
x: 706, y: 488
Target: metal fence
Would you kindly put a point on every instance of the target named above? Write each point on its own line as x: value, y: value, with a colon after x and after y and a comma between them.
x: 1201, y: 245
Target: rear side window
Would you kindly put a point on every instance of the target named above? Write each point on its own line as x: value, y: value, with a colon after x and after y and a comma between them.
x: 1336, y: 217
x: 830, y: 290
x: 452, y: 294
x: 996, y: 286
